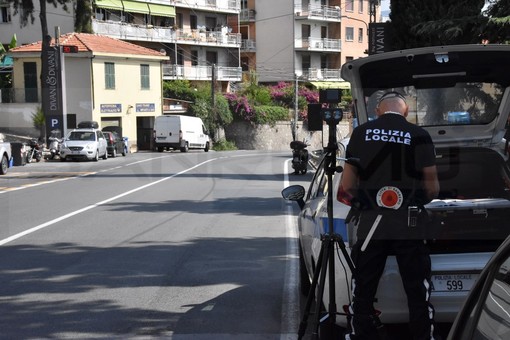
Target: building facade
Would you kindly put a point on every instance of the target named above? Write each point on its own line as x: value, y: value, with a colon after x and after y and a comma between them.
x: 308, y: 39
x: 110, y: 81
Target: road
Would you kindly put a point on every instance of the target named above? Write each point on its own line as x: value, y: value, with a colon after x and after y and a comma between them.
x: 172, y: 245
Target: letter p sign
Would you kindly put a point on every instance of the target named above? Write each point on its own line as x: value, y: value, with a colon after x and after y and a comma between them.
x: 54, y: 122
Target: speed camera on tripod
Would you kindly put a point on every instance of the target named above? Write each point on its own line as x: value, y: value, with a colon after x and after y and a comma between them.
x: 326, y: 110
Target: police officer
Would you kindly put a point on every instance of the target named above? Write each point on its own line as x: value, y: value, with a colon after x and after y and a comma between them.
x: 395, y: 177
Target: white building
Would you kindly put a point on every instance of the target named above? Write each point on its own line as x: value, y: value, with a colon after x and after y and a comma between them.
x: 310, y: 39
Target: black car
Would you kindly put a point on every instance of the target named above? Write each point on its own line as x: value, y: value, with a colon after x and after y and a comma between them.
x: 485, y: 313
x: 115, y: 145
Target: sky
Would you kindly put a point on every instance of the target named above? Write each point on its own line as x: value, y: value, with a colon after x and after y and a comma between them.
x: 385, y: 5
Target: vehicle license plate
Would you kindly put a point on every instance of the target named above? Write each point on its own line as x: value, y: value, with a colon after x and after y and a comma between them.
x: 458, y: 282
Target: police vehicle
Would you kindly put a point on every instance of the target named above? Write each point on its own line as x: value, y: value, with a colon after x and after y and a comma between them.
x: 461, y: 96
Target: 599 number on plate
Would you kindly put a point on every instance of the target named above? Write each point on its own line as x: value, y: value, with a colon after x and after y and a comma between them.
x: 453, y: 282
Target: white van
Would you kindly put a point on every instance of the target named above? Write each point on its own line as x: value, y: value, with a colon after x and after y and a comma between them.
x: 180, y: 132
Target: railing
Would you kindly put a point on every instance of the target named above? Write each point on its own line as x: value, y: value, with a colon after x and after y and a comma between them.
x: 318, y: 12
x: 248, y: 45
x: 320, y: 44
x: 213, y: 5
x: 122, y: 30
x: 247, y: 15
x: 19, y: 95
x: 312, y: 74
x: 172, y: 71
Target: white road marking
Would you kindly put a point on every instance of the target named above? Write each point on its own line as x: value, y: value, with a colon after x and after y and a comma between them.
x: 290, y: 298
x: 79, y: 211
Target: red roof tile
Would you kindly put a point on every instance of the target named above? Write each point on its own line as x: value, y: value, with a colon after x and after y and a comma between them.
x: 87, y: 42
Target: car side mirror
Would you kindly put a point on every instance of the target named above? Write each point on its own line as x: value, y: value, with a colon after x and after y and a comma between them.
x: 294, y: 193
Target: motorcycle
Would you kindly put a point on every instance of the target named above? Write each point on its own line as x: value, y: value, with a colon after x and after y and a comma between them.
x: 55, y: 142
x: 299, y: 157
x: 34, y: 151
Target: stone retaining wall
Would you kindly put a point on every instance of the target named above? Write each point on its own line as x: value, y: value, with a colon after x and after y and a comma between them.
x: 279, y: 136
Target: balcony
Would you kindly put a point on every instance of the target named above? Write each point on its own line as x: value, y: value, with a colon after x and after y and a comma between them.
x: 225, y: 6
x: 19, y: 95
x: 323, y: 74
x: 172, y: 72
x: 247, y: 15
x: 125, y: 31
x: 214, y: 38
x: 318, y: 12
x: 248, y: 45
x: 319, y: 44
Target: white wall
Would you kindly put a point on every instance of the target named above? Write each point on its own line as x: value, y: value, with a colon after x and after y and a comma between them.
x: 32, y: 32
x: 275, y: 40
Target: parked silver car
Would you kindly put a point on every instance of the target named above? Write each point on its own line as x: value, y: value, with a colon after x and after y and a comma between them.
x: 461, y: 95
x: 89, y: 144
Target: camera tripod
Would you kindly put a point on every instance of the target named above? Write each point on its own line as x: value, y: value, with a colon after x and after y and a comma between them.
x: 327, y: 253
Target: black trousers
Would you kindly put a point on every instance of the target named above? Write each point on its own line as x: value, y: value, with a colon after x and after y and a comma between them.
x: 415, y: 270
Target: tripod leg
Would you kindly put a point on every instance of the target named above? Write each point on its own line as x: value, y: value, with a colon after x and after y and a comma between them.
x: 327, y: 244
x: 311, y: 295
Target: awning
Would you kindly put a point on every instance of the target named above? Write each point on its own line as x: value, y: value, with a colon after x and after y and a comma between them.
x: 343, y: 85
x: 135, y: 7
x: 162, y: 10
x: 110, y: 4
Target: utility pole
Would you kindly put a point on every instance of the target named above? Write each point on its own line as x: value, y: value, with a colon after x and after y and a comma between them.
x: 295, y: 126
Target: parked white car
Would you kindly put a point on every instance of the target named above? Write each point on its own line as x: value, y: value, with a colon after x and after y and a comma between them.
x: 461, y: 95
x: 89, y: 144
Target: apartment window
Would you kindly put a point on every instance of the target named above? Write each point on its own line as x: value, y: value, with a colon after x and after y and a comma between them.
x: 324, y: 61
x: 5, y: 14
x: 145, y: 77
x: 349, y: 34
x: 109, y: 75
x: 305, y: 62
x: 360, y: 35
x: 347, y: 59
x: 349, y: 5
x: 360, y: 6
x: 194, y: 58
x: 193, y: 22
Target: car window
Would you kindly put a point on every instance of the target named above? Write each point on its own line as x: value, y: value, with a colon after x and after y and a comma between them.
x: 460, y: 104
x: 492, y: 322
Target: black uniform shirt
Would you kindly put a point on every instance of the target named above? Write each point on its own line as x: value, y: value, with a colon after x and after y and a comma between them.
x: 392, y: 152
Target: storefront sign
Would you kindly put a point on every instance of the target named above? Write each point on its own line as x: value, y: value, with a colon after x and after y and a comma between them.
x: 111, y: 108
x: 145, y: 107
x: 378, y: 38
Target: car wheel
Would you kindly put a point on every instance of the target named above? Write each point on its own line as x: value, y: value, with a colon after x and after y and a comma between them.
x: 4, y: 165
x: 105, y: 156
x: 114, y: 153
x: 96, y: 156
x: 185, y: 148
x: 62, y: 159
x: 304, y: 279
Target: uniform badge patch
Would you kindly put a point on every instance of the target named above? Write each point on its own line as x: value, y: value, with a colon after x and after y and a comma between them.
x: 389, y: 197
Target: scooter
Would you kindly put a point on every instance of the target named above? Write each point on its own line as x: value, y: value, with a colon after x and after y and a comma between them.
x: 55, y: 142
x: 34, y: 151
x: 299, y: 157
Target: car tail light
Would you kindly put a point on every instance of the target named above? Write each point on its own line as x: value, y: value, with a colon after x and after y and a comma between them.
x: 343, y: 196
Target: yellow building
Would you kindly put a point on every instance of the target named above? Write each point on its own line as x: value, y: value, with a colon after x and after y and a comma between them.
x: 111, y: 81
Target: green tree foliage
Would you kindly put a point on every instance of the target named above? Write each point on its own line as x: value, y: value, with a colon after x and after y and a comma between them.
x: 214, y: 116
x: 39, y: 121
x: 418, y: 23
x: 83, y: 17
x: 497, y: 27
